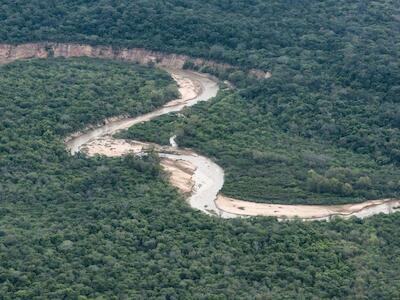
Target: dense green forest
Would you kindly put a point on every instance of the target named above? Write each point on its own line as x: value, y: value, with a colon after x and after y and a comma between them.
x: 259, y: 33
x: 73, y: 227
x: 325, y: 128
x: 335, y: 85
x: 42, y: 101
x: 327, y: 122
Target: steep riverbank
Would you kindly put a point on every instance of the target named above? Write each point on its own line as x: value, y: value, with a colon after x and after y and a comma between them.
x: 9, y: 53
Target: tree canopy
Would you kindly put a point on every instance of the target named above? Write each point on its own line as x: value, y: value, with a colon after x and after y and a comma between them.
x: 323, y: 129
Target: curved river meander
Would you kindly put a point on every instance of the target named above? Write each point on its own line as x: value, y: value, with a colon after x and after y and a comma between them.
x: 194, y: 175
x: 208, y: 177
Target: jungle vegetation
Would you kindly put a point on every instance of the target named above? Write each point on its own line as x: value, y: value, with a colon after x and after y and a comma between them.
x: 73, y: 227
x: 326, y: 124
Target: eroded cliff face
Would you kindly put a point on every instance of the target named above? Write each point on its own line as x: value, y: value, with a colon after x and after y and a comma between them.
x: 10, y: 53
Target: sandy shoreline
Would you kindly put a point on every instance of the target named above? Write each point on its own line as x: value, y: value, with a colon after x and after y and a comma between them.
x: 180, y: 174
x: 307, y: 212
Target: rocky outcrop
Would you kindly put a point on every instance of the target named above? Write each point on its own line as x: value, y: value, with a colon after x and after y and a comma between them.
x: 10, y: 53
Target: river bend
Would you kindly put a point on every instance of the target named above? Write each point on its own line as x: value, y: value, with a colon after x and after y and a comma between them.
x: 199, y: 177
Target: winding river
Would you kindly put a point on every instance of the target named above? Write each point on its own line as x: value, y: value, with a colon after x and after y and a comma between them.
x: 200, y: 177
x: 206, y: 177
x: 196, y: 176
